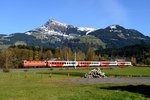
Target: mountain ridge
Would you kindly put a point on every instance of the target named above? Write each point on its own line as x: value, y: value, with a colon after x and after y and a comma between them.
x: 55, y: 34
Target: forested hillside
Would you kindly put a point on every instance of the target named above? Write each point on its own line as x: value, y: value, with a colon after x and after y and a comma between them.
x: 137, y: 53
x: 14, y: 55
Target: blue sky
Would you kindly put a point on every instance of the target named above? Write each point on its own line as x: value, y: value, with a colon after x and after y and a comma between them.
x: 24, y: 15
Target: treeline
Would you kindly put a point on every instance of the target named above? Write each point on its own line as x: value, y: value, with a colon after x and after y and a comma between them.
x: 14, y: 55
x: 138, y: 54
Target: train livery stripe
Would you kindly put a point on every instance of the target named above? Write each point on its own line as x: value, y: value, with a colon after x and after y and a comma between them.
x: 58, y: 64
x: 74, y: 63
x: 105, y: 63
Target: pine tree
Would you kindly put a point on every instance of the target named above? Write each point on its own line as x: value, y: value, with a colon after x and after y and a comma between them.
x: 133, y: 60
x: 90, y: 55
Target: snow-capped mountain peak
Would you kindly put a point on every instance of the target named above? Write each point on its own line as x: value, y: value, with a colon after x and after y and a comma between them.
x: 113, y: 26
x: 55, y: 34
x: 53, y: 22
x: 87, y: 29
x: 54, y: 27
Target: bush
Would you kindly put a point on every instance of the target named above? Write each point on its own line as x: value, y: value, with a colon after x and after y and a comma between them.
x: 6, y: 70
x: 25, y: 70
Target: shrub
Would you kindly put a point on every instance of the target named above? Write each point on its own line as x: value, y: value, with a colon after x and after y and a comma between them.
x: 6, y: 70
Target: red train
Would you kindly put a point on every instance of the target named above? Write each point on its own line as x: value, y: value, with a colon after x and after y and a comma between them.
x: 74, y: 63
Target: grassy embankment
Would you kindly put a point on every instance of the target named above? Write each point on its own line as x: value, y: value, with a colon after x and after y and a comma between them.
x: 49, y: 85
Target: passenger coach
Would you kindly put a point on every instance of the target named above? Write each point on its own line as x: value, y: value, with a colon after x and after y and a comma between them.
x: 74, y: 63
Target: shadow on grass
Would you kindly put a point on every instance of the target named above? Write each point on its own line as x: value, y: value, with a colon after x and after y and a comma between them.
x: 141, y: 89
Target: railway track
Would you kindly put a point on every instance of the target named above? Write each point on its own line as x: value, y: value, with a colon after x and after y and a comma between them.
x: 57, y: 68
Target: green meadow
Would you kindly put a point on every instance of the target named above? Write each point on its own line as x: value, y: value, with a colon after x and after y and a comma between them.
x: 55, y: 85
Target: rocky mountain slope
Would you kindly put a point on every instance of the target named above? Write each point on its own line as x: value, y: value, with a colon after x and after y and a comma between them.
x: 117, y: 36
x: 55, y: 34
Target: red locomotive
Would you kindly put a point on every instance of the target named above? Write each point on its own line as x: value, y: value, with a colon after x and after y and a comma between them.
x: 34, y: 63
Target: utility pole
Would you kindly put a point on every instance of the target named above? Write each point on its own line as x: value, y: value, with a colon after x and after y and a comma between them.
x: 75, y: 60
x: 6, y: 60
